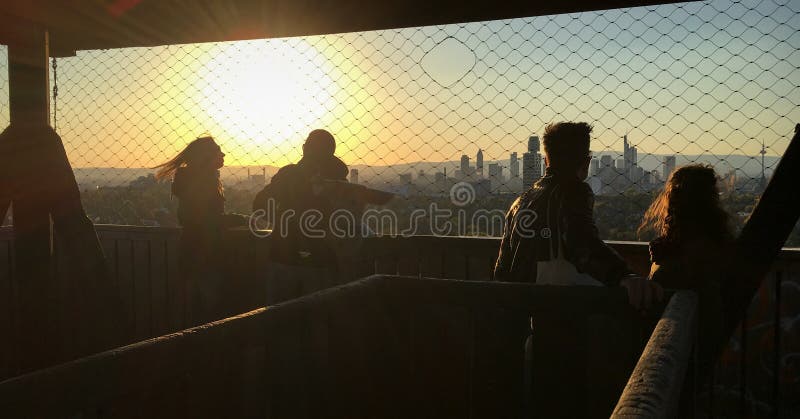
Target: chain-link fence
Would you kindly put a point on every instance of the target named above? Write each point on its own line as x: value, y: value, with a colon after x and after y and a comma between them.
x: 419, y: 110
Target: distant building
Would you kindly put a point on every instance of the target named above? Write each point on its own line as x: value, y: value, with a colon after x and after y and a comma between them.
x: 482, y: 187
x: 635, y: 174
x: 531, y: 168
x: 620, y: 164
x: 405, y: 178
x: 606, y: 161
x: 464, y: 164
x: 669, y: 166
x: 495, y: 171
x: 655, y: 177
x: 251, y: 182
x: 422, y: 178
x: 479, y: 163
x: 629, y: 154
x: 728, y: 183
x: 531, y: 163
x: 594, y: 167
x: 354, y: 176
x: 439, y: 177
x: 533, y: 143
x: 495, y: 175
x: 513, y: 166
x: 648, y: 179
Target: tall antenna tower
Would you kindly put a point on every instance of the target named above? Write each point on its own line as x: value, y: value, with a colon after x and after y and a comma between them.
x: 763, y: 183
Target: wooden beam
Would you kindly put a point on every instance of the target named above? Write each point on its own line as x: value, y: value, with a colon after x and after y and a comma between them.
x: 762, y: 238
x: 29, y: 77
x: 84, y: 25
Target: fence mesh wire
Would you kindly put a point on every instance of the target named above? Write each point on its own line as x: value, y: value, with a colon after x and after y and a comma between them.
x: 714, y: 82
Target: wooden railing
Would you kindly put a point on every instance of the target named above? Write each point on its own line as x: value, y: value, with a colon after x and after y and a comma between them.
x: 655, y: 387
x: 150, y: 297
x: 754, y: 375
x: 385, y: 346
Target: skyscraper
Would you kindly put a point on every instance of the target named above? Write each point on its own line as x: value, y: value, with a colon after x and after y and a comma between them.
x: 354, y: 176
x: 479, y: 163
x: 627, y: 154
x: 495, y: 174
x: 531, y: 162
x: 513, y: 166
x: 669, y: 166
x: 464, y: 165
x: 631, y: 158
x: 533, y: 143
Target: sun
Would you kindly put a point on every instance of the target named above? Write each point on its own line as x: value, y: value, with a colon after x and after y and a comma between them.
x: 265, y: 92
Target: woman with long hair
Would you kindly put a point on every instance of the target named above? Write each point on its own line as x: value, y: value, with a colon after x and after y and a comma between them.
x: 195, y: 181
x: 693, y: 239
x: 201, y: 212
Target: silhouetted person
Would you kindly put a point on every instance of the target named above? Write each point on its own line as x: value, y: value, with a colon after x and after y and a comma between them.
x: 693, y: 245
x: 315, y: 190
x: 296, y: 189
x: 201, y: 213
x: 550, y: 238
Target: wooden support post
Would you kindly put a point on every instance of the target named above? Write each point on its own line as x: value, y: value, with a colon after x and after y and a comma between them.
x: 36, y: 177
x: 29, y: 78
x: 29, y: 104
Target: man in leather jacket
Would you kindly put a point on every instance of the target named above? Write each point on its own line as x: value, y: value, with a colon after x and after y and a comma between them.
x: 556, y: 215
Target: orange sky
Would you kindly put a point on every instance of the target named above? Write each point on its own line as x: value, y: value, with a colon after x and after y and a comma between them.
x: 432, y: 94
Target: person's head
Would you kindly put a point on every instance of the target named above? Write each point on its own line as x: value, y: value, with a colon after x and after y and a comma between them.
x: 320, y: 143
x: 689, y: 206
x: 566, y: 148
x: 202, y: 153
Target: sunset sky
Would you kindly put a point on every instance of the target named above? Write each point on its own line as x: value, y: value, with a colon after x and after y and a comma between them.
x: 711, y: 77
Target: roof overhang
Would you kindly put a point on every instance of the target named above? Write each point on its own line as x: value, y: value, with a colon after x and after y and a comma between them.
x: 100, y: 24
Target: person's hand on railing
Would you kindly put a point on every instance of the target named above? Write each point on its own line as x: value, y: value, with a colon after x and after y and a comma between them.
x: 641, y: 292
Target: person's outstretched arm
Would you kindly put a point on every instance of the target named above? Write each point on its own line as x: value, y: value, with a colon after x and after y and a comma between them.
x: 592, y: 256
x: 582, y: 242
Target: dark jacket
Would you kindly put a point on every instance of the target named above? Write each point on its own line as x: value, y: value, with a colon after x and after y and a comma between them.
x: 293, y: 188
x: 200, y: 194
x: 697, y: 264
x: 556, y: 208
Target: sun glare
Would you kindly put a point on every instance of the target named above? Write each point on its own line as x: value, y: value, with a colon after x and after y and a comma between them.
x: 265, y: 92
